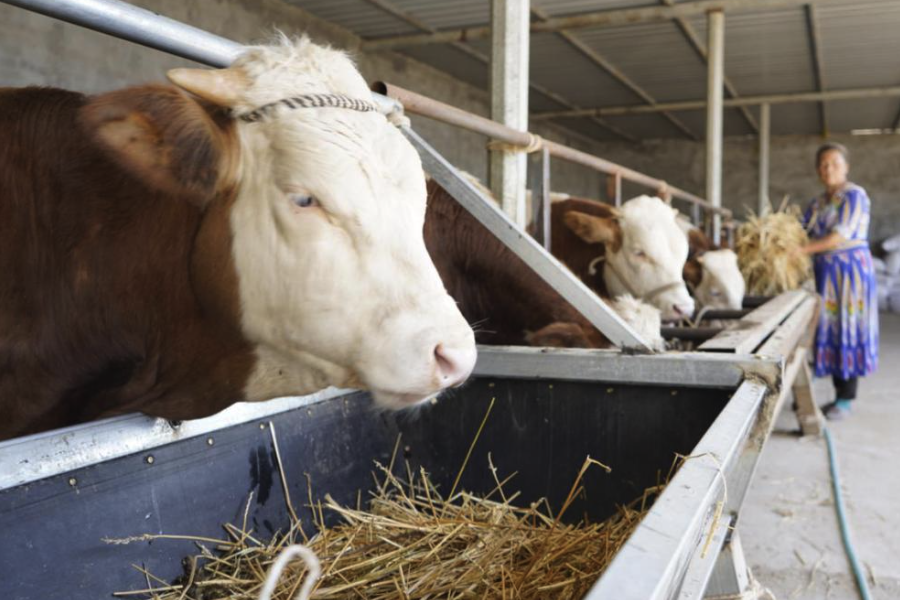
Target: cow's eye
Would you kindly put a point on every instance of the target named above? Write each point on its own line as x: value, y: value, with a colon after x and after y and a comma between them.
x: 639, y: 253
x: 303, y: 200
x: 715, y: 292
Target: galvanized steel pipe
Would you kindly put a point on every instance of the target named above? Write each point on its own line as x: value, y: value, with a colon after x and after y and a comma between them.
x: 434, y: 109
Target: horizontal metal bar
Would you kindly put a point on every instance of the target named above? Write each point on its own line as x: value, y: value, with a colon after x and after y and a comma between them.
x: 756, y: 326
x: 433, y: 109
x: 653, y: 561
x: 525, y: 247
x: 785, y: 339
x: 607, y: 18
x: 141, y: 26
x: 679, y: 369
x: 639, y: 109
x: 725, y: 313
x: 50, y: 453
x: 694, y: 334
x: 701, y: 568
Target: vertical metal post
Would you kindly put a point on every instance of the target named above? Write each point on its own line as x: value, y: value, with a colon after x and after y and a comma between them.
x: 695, y: 214
x: 510, y: 24
x: 714, y: 92
x: 539, y: 182
x: 765, y: 124
x: 614, y: 188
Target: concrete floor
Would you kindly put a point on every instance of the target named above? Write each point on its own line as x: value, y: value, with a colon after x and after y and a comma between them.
x: 789, y: 527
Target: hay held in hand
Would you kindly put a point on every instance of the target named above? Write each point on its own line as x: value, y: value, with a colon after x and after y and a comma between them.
x: 767, y: 252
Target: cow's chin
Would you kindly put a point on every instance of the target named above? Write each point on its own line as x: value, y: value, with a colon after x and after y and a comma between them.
x: 389, y: 400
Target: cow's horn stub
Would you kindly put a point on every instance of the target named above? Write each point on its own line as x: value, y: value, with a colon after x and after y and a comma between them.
x: 219, y: 86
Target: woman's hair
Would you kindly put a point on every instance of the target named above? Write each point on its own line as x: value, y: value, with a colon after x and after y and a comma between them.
x: 840, y: 148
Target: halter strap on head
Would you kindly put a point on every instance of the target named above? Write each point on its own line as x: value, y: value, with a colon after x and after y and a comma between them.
x: 649, y: 296
x: 309, y: 101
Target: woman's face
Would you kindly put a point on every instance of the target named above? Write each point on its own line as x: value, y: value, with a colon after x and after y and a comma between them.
x: 833, y: 169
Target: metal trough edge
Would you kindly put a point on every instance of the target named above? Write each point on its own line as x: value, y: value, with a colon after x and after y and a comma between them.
x: 653, y: 562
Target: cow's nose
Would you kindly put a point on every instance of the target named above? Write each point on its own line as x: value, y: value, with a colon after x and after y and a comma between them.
x: 454, y: 365
x: 683, y: 310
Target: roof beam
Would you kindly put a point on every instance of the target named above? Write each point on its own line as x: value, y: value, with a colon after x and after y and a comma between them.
x: 700, y: 48
x: 614, y: 72
x: 815, y: 50
x: 638, y: 109
x: 607, y: 18
x: 409, y: 19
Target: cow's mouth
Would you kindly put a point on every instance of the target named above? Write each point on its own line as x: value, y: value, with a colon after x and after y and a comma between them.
x: 399, y: 400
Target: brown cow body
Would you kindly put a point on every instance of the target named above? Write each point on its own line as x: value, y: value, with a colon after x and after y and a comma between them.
x: 507, y: 302
x: 101, y: 244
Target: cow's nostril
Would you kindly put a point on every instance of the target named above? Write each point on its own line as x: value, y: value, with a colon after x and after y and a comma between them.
x: 454, y: 365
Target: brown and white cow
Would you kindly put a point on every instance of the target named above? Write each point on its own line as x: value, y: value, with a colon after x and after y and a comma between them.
x: 712, y: 273
x: 159, y: 253
x: 636, y: 250
x: 508, y: 303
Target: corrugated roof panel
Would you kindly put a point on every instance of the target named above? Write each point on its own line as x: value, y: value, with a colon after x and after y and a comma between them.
x: 733, y: 122
x: 860, y: 44
x: 589, y: 128
x: 869, y: 113
x: 447, y: 15
x: 559, y: 66
x: 646, y: 126
x: 795, y: 119
x: 653, y: 55
x: 455, y: 62
x: 573, y: 7
x: 766, y: 53
x: 360, y: 17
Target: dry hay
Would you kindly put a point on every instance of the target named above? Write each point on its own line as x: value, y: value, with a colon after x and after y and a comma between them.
x: 413, y: 542
x: 767, y: 248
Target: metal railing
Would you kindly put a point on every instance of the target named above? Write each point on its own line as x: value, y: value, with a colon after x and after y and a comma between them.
x: 428, y: 107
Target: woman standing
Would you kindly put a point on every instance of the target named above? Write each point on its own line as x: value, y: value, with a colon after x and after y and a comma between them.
x: 838, y: 225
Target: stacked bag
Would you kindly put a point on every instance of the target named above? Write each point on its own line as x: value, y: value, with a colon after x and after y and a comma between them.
x: 887, y: 271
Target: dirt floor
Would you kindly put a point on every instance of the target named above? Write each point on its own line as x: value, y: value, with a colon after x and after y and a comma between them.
x: 789, y: 526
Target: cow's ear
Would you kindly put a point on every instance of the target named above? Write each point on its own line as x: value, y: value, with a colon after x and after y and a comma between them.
x: 167, y: 139
x: 593, y: 229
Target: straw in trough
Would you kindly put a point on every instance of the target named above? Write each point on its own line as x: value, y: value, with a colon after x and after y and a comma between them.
x: 412, y: 541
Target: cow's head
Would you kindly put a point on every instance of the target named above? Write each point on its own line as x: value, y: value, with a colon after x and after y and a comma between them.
x: 721, y: 283
x: 645, y: 252
x: 311, y: 239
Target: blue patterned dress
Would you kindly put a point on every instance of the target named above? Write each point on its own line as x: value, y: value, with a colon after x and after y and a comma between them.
x: 847, y: 334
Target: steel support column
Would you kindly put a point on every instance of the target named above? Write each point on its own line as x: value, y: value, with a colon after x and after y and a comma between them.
x: 714, y: 97
x: 509, y: 101
x: 765, y: 126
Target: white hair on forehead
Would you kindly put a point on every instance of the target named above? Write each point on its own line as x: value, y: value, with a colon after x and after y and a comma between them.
x: 645, y: 217
x: 649, y: 207
x: 296, y: 65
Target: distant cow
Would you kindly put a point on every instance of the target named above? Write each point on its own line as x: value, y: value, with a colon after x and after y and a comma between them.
x: 712, y: 273
x: 508, y: 303
x: 173, y: 253
x: 637, y: 249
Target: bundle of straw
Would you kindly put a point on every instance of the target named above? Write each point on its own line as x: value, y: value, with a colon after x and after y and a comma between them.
x: 414, y: 543
x: 767, y: 248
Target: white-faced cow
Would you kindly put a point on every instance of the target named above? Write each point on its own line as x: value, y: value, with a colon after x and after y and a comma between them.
x: 712, y: 273
x: 254, y: 232
x: 508, y: 301
x: 637, y: 250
